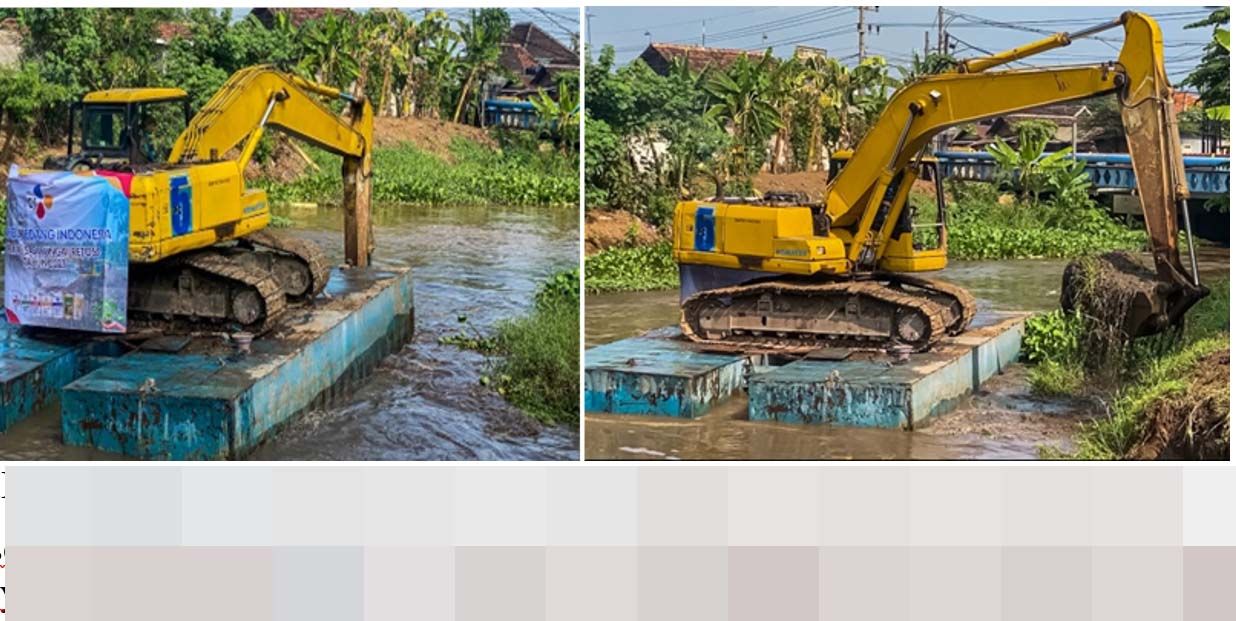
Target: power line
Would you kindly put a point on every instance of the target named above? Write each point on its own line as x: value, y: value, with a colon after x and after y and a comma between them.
x: 687, y: 21
x: 796, y: 21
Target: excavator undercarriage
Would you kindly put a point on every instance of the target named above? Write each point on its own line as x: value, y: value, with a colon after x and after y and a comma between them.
x: 799, y: 315
x: 248, y: 284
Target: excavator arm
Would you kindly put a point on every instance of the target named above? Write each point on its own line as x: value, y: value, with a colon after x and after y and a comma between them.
x: 260, y: 96
x: 920, y: 110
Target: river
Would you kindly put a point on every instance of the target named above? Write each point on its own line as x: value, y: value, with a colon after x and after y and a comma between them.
x: 1003, y: 421
x: 424, y: 402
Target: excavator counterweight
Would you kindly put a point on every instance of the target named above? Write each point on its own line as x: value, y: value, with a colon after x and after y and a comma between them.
x: 791, y: 277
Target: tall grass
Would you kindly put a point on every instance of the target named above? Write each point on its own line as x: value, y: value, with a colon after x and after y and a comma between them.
x: 1155, y: 368
x: 538, y: 365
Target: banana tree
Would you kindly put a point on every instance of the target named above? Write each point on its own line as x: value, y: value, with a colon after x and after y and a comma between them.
x: 742, y: 105
x: 329, y: 51
x: 482, y: 37
x: 560, y: 118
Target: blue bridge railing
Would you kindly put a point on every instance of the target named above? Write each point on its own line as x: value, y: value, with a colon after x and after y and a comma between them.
x: 1109, y: 172
x: 513, y: 114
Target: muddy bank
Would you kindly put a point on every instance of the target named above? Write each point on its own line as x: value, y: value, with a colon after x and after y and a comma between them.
x: 813, y: 184
x: 607, y: 229
x: 1195, y: 424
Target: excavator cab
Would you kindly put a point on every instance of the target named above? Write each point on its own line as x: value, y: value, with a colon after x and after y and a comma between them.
x: 124, y: 129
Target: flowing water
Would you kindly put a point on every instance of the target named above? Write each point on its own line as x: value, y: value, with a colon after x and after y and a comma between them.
x: 1003, y: 421
x: 425, y: 401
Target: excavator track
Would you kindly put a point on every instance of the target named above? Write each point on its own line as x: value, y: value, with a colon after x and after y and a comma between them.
x: 206, y: 288
x: 298, y: 252
x: 785, y: 316
x: 960, y: 302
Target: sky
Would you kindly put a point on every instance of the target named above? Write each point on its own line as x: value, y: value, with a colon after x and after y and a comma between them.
x: 900, y: 30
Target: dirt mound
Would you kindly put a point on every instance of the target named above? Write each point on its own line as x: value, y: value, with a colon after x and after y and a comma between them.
x: 283, y: 164
x: 430, y: 135
x: 812, y: 184
x: 606, y: 229
x: 1195, y: 424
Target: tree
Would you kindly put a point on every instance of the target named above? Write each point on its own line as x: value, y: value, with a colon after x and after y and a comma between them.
x: 559, y: 118
x: 482, y: 37
x: 742, y: 104
x: 1212, y: 75
x: 930, y: 64
x: 329, y: 50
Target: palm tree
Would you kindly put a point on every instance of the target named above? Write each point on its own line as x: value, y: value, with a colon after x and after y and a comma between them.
x: 482, y: 35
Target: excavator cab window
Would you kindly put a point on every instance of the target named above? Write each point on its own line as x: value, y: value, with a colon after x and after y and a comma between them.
x: 137, y: 133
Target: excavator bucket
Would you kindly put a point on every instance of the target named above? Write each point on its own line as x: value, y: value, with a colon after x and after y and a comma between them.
x: 1166, y: 294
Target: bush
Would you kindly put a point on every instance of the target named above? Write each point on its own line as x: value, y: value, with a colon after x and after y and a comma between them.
x: 640, y: 268
x: 538, y: 368
x: 981, y: 227
x: 1052, y: 336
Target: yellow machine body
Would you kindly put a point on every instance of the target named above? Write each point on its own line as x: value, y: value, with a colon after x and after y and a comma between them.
x: 219, y: 206
x: 198, y: 197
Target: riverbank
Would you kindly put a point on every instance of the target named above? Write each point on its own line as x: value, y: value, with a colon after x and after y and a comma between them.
x: 423, y: 162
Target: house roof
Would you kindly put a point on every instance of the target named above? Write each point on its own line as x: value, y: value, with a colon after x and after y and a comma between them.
x: 541, y: 45
x: 535, y: 56
x: 166, y: 31
x: 296, y: 17
x: 698, y: 58
x: 1182, y: 101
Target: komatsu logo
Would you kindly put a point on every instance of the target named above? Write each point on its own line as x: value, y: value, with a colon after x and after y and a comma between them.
x: 792, y: 252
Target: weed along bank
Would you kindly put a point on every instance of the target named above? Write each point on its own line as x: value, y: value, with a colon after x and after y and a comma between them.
x: 837, y: 262
x: 246, y: 249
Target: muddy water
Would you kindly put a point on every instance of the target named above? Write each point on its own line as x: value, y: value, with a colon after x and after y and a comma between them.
x: 425, y: 401
x: 1003, y: 421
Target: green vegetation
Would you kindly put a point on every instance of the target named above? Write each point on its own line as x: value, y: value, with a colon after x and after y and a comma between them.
x: 715, y: 126
x: 983, y: 226
x: 426, y: 65
x: 1152, y: 370
x: 536, y: 357
x: 638, y: 268
x: 519, y: 174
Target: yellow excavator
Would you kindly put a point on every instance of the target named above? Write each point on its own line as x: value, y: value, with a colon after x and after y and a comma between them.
x: 200, y: 250
x: 784, y: 275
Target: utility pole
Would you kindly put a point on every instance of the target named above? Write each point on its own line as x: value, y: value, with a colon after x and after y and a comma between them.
x: 704, y: 33
x: 940, y: 29
x: 862, y: 30
x: 926, y: 44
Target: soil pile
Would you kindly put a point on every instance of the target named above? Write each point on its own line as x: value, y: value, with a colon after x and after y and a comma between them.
x: 607, y: 229
x: 1195, y: 424
x: 813, y: 184
x: 430, y: 135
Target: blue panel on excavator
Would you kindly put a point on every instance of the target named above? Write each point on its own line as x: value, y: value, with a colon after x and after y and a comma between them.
x: 182, y: 205
x: 705, y: 229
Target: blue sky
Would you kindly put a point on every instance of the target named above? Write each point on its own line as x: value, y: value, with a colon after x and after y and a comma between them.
x: 900, y: 30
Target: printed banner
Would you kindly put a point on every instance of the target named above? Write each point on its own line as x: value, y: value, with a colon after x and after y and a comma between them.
x: 66, y: 261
